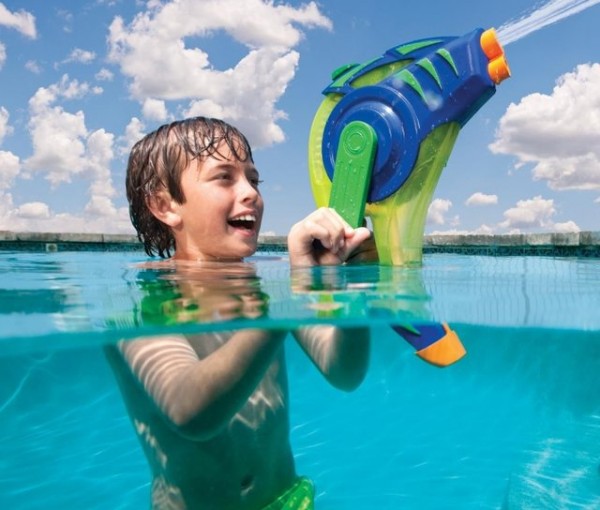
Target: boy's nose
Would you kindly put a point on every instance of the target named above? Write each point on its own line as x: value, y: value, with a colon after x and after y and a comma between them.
x: 248, y: 190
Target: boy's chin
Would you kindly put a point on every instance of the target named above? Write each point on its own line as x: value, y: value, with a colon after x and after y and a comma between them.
x: 248, y: 248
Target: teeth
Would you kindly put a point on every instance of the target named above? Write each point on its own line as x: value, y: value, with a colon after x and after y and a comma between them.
x: 245, y: 217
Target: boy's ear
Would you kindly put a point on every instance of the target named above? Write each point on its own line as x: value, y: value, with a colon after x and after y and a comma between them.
x: 164, y: 208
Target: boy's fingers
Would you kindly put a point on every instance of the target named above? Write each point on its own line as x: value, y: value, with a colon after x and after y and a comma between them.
x: 329, y: 228
x: 359, y: 236
x: 341, y: 222
x: 331, y: 231
x: 320, y: 229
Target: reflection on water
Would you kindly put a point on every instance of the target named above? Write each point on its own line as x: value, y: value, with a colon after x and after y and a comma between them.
x: 110, y: 296
x: 200, y: 292
x: 33, y: 301
x: 208, y: 293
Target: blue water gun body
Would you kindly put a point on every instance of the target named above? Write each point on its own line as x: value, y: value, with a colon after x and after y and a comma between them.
x: 386, y: 129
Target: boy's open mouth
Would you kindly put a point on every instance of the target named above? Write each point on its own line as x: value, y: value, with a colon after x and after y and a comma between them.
x: 246, y: 222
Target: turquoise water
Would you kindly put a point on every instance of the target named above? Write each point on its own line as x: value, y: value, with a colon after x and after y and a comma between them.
x: 515, y: 424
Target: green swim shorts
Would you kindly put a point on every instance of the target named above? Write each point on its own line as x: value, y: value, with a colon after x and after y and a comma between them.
x: 300, y: 496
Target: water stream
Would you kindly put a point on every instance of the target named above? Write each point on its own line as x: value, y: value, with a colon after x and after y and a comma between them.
x: 540, y: 17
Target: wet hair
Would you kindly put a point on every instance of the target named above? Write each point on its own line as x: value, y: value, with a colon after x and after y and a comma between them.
x: 156, y: 163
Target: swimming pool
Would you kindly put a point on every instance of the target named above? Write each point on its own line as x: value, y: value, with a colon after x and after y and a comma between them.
x: 515, y: 424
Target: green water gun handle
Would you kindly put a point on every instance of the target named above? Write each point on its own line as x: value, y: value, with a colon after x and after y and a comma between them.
x: 353, y: 167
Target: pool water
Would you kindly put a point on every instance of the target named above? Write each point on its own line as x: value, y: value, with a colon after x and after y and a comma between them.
x: 513, y: 425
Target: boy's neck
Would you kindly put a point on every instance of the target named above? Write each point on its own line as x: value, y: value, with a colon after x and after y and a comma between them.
x: 183, y: 256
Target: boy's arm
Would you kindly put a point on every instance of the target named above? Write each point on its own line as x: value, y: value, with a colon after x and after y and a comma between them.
x: 200, y: 395
x: 325, y: 238
x: 340, y: 354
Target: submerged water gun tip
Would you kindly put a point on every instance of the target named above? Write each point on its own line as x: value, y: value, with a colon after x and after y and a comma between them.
x: 435, y: 343
x: 498, y: 68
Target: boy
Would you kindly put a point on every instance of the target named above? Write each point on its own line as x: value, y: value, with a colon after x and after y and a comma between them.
x: 211, y: 409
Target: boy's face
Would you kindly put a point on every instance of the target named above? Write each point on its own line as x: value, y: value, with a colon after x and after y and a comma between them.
x: 223, y: 209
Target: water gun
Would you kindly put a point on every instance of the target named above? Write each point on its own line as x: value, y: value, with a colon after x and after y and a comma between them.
x: 383, y: 134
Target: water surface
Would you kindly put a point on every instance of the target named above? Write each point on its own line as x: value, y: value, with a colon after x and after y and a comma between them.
x: 515, y: 424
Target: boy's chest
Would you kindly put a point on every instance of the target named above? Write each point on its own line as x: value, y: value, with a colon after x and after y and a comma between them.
x: 268, y: 403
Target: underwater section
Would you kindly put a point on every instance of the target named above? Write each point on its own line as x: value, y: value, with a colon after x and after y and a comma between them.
x: 514, y: 423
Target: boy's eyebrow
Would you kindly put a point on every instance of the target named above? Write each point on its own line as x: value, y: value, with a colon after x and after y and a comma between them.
x: 228, y: 166
x: 220, y: 166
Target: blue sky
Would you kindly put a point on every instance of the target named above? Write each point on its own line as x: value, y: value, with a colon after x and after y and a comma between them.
x: 81, y: 81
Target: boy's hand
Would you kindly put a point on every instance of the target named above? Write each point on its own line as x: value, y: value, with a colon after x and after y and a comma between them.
x: 323, y: 238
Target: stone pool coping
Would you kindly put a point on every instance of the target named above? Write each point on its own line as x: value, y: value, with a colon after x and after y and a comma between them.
x: 575, y: 244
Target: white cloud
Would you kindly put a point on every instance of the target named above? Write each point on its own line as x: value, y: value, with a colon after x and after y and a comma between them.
x: 557, y: 133
x: 152, y: 51
x: 100, y: 206
x: 481, y: 199
x: 58, y: 136
x: 5, y: 129
x: 64, y: 89
x: 64, y: 147
x: 437, y: 211
x: 99, y: 152
x: 104, y: 75
x: 38, y: 217
x: 134, y: 131
x: 66, y: 18
x: 80, y: 56
x: 6, y: 204
x: 33, y: 66
x: 10, y: 165
x: 481, y: 230
x: 206, y: 108
x: 485, y: 230
x: 578, y: 172
x: 535, y: 213
x: 58, y: 139
x: 22, y: 21
x: 33, y: 210
x: 155, y: 109
x: 566, y: 227
x: 2, y: 55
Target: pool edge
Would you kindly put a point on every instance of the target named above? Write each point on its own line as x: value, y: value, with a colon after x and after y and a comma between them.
x: 573, y: 244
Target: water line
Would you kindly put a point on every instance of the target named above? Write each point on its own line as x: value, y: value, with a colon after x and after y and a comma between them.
x: 541, y: 16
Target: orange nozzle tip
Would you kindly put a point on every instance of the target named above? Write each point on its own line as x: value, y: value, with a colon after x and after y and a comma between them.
x: 490, y: 45
x: 446, y: 351
x: 498, y: 69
